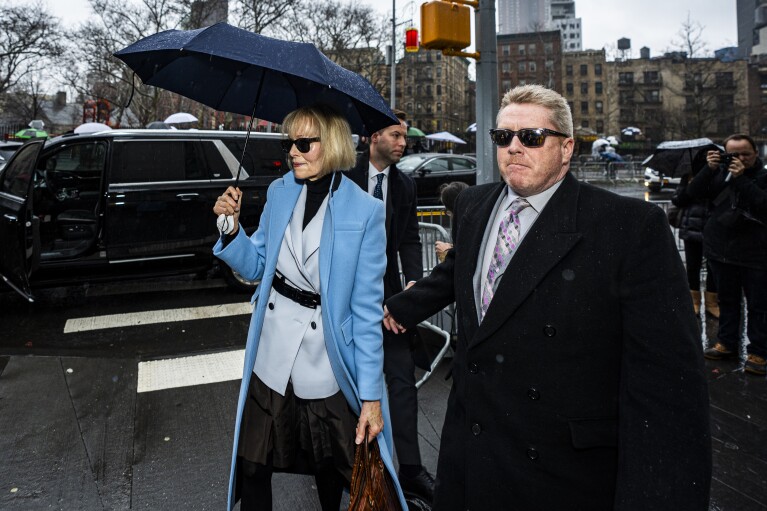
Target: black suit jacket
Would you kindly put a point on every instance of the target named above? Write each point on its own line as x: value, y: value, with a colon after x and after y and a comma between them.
x: 401, y: 225
x: 583, y: 388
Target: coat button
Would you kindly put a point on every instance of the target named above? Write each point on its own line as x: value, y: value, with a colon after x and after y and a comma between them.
x: 549, y: 331
x: 533, y: 394
x: 314, y: 325
x: 271, y: 306
x: 473, y: 368
x: 532, y: 454
x: 476, y: 429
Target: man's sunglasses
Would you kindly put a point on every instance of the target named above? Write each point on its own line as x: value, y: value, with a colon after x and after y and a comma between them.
x: 530, y: 137
x: 302, y: 144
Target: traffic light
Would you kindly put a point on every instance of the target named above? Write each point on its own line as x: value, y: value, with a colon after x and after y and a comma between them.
x: 411, y: 39
x: 445, y: 25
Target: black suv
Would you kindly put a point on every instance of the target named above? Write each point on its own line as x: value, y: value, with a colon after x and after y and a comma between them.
x: 125, y: 203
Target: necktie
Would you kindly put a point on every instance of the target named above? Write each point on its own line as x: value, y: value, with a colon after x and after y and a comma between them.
x: 378, y: 190
x: 505, y: 245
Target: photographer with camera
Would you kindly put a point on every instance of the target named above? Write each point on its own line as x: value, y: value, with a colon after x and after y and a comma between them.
x: 735, y: 244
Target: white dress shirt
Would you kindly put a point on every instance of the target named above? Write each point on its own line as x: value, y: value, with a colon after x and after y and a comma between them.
x: 373, y: 180
x: 527, y: 218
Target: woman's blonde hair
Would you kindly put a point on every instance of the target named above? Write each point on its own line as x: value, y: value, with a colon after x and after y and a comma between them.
x: 338, y: 151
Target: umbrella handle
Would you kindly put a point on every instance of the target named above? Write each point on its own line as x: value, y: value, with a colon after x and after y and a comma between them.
x: 245, y: 147
x: 132, y: 90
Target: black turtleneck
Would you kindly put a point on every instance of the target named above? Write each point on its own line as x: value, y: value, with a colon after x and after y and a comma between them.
x: 316, y: 191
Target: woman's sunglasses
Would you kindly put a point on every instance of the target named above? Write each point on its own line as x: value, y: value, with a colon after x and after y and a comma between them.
x: 530, y: 137
x: 302, y: 144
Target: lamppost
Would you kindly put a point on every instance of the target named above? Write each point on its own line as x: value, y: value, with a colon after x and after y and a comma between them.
x: 392, y: 101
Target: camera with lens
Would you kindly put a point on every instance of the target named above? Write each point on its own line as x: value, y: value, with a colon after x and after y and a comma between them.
x: 725, y: 159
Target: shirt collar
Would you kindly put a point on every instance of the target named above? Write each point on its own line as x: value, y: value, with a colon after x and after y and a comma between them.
x: 373, y: 172
x: 537, y: 201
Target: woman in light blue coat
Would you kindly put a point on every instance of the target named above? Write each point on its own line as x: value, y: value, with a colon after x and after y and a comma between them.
x: 313, y: 376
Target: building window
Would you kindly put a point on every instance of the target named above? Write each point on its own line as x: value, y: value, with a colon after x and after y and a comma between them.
x: 439, y: 72
x: 599, y: 106
x: 532, y: 67
x: 571, y: 106
x: 724, y: 79
x: 439, y: 90
x: 439, y: 55
x: 418, y: 90
x: 409, y: 90
x: 549, y: 65
x: 522, y: 66
x: 652, y: 96
x: 410, y: 107
x: 584, y: 107
x: 569, y: 87
x: 598, y: 69
x: 725, y: 102
x: 418, y: 106
x: 531, y: 49
x: 506, y: 67
x: 428, y: 108
x: 410, y: 72
x: 598, y: 87
x: 439, y: 106
x: 600, y: 126
x: 626, y: 78
x: 428, y: 72
x: 584, y: 87
x: 505, y: 86
x: 428, y: 90
x: 521, y: 50
x: 569, y: 70
x: 584, y: 69
x: 505, y: 50
x: 584, y: 124
x: 651, y: 77
x: 548, y: 48
x: 625, y: 97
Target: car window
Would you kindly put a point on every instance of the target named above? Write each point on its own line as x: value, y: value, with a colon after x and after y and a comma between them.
x: 151, y: 161
x: 72, y: 170
x: 462, y: 164
x: 437, y: 165
x: 263, y: 157
x: 16, y: 178
x: 410, y: 162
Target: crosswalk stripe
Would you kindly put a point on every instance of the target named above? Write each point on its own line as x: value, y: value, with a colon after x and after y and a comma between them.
x: 187, y: 371
x: 156, y: 316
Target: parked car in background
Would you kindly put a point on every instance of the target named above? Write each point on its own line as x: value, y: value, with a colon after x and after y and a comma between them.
x: 7, y: 149
x: 125, y: 204
x: 430, y: 170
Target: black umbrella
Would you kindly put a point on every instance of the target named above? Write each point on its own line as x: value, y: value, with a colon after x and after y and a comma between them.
x: 679, y: 157
x: 234, y: 70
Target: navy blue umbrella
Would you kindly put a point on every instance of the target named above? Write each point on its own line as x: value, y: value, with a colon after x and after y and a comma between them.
x: 233, y: 70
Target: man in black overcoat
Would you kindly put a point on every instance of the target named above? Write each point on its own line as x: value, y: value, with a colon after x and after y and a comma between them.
x: 398, y: 191
x: 578, y: 374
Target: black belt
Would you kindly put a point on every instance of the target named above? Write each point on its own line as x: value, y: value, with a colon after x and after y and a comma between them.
x: 301, y: 297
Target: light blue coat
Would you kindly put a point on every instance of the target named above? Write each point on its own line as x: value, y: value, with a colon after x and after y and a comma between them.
x: 352, y: 265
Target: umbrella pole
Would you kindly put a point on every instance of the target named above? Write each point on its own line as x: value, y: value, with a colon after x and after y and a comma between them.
x: 245, y: 147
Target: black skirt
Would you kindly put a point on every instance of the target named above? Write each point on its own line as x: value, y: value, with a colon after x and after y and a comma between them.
x: 297, y: 435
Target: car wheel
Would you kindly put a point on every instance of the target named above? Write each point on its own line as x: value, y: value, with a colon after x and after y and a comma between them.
x: 236, y: 281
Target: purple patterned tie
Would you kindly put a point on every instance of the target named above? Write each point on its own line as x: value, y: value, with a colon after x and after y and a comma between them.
x: 505, y: 245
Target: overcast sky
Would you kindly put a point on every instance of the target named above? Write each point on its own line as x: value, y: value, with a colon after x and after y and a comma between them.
x: 651, y: 23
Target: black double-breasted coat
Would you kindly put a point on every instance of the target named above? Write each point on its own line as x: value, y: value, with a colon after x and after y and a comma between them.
x: 583, y: 386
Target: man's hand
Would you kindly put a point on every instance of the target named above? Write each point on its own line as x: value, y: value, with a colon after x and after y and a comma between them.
x: 441, y: 248
x: 736, y: 168
x: 390, y: 324
x: 713, y: 159
x: 370, y: 417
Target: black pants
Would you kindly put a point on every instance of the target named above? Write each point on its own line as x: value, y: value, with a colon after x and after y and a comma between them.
x: 256, y: 486
x: 399, y: 369
x: 693, y: 256
x: 733, y: 282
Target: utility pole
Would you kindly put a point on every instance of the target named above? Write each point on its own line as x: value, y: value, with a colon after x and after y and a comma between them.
x: 392, y: 101
x: 487, y: 90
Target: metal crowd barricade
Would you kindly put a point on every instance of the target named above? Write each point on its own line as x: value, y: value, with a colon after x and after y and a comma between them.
x: 433, y: 226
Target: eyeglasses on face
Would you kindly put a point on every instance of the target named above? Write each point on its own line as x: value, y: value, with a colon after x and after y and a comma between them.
x: 302, y: 144
x: 530, y: 137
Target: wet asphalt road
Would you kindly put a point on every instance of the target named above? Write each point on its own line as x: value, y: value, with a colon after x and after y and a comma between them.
x: 95, y: 415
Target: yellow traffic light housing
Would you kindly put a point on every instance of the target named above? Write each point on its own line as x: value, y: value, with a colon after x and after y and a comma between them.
x: 445, y: 25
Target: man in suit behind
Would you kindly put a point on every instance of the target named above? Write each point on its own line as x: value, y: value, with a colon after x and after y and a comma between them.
x: 578, y: 378
x: 376, y: 171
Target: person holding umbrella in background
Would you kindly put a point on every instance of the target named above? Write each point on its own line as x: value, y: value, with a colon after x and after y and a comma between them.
x: 314, y: 355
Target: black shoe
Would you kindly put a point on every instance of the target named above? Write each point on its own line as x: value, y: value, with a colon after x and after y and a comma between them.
x: 718, y: 352
x: 421, y: 485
